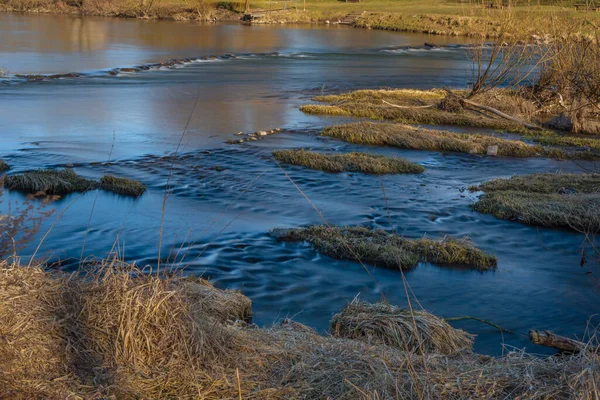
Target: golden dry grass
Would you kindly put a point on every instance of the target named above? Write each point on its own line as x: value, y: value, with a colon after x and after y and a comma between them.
x: 115, y: 332
x: 382, y: 323
x: 349, y: 162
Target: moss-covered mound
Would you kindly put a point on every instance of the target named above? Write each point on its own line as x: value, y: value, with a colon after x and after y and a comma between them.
x: 124, y: 186
x: 551, y: 200
x: 389, y: 250
x: 349, y: 162
x: 58, y: 182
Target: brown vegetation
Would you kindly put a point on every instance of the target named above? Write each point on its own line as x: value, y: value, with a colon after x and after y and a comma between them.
x: 4, y: 166
x: 115, y: 332
x: 383, y: 324
x: 409, y: 137
x: 552, y: 200
x: 20, y: 223
x: 350, y: 162
x: 389, y: 250
x: 538, y: 105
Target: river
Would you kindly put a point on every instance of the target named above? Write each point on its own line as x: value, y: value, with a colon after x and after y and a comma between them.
x: 226, y: 198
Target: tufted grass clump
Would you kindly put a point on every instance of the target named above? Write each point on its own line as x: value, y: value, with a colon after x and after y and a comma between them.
x: 551, y: 200
x: 123, y: 186
x: 349, y: 162
x: 389, y: 250
x: 385, y: 324
x: 51, y: 182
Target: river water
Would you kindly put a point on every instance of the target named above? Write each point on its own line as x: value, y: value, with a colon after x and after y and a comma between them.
x: 226, y: 198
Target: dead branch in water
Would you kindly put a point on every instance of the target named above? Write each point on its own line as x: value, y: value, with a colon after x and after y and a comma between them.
x: 550, y: 339
x: 494, y: 111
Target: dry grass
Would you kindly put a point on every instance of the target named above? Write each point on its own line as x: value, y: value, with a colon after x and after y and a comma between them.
x: 372, y: 104
x: 538, y: 105
x: 225, y: 306
x: 549, y: 183
x: 4, y: 166
x: 552, y: 200
x: 57, y: 182
x: 409, y: 137
x: 382, y: 323
x: 124, y: 186
x: 584, y: 143
x: 114, y: 332
x: 110, y: 331
x: 389, y: 250
x: 349, y: 162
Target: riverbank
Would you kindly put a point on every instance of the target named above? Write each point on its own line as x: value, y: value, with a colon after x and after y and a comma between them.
x: 113, y: 330
x: 454, y: 19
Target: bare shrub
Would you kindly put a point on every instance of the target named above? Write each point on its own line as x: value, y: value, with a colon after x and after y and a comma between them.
x: 20, y: 223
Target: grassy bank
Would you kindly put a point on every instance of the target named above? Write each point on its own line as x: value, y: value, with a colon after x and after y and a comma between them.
x: 410, y: 137
x: 115, y: 332
x: 551, y: 200
x: 350, y: 162
x: 387, y: 249
x: 429, y: 16
x: 435, y: 107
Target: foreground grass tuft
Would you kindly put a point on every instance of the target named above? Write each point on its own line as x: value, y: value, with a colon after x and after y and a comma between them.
x: 124, y: 186
x: 383, y: 324
x: 4, y: 166
x: 350, y: 162
x: 409, y: 137
x: 113, y: 331
x: 551, y: 200
x: 57, y: 182
x: 389, y: 250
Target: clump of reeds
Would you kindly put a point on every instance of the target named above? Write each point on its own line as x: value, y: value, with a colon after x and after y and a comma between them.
x: 112, y: 331
x: 124, y: 186
x: 51, y: 182
x: 387, y: 249
x: 349, y: 162
x: 4, y: 166
x: 410, y: 137
x: 552, y: 200
x: 408, y: 330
